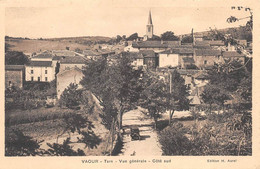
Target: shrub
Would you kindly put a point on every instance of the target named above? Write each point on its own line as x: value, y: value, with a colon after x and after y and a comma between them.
x: 211, y: 139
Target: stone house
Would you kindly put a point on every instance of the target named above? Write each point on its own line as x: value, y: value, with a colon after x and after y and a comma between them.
x: 150, y: 58
x: 233, y: 55
x: 14, y: 76
x: 72, y: 61
x: 206, y: 58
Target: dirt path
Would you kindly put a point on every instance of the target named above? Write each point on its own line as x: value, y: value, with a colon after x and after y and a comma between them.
x: 148, y: 145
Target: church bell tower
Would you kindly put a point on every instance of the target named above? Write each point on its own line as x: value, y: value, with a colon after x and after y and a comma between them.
x: 149, y: 26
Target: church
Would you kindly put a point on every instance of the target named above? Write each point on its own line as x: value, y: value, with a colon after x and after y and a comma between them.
x: 149, y: 28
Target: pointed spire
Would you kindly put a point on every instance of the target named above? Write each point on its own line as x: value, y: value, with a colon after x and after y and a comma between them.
x: 150, y: 22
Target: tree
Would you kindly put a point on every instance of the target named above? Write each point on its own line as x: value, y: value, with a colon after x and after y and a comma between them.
x: 15, y: 58
x: 177, y: 96
x: 118, y: 38
x: 187, y: 39
x: 116, y: 84
x: 153, y: 96
x: 70, y: 97
x: 249, y: 23
x: 132, y: 37
x: 17, y: 144
x: 63, y: 149
x: 169, y: 36
x: 155, y: 38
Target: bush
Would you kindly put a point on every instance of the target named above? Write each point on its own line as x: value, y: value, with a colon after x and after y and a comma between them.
x: 211, y: 139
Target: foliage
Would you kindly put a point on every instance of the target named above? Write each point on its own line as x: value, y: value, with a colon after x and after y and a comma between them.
x: 153, y: 96
x: 173, y: 140
x: 115, y: 84
x: 169, y: 36
x: 155, y: 38
x: 227, y: 81
x: 63, y: 149
x: 177, y: 98
x: 17, y: 144
x: 90, y: 139
x: 132, y: 37
x: 209, y: 139
x: 15, y: 58
x: 118, y: 38
x: 70, y: 97
x: 187, y: 39
x: 32, y: 117
x: 249, y: 23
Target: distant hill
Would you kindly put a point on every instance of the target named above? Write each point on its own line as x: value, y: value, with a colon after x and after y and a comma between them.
x: 236, y: 32
x: 27, y: 45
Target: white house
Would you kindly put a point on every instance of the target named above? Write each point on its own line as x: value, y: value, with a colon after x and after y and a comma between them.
x: 41, y: 71
x: 167, y: 58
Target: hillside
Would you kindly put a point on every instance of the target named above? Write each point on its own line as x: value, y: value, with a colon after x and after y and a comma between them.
x: 35, y: 45
x: 236, y: 32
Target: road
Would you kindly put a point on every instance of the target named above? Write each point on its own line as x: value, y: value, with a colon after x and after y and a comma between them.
x: 148, y: 145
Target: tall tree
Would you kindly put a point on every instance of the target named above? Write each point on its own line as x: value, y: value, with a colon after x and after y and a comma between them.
x: 116, y: 84
x: 178, y: 94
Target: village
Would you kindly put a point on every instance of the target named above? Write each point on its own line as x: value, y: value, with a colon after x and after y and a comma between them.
x: 54, y: 71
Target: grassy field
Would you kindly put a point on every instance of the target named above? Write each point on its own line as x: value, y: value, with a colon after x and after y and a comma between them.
x: 47, y: 123
x: 31, y: 45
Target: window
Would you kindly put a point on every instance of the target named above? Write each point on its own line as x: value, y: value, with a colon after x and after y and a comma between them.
x: 46, y: 71
x: 205, y: 62
x: 32, y: 78
x: 39, y: 79
x: 31, y: 71
x: 46, y: 79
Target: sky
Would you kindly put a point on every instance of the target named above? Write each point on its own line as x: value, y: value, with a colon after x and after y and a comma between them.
x: 103, y: 19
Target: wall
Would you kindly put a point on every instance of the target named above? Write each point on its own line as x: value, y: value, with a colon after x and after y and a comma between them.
x: 39, y: 72
x: 15, y: 77
x: 65, y: 78
x: 168, y: 60
x: 200, y: 61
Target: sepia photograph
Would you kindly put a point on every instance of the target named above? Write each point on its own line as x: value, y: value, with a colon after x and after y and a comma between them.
x: 139, y: 81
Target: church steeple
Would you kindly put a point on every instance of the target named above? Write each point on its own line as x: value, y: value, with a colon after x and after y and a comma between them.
x: 149, y: 26
x: 150, y: 22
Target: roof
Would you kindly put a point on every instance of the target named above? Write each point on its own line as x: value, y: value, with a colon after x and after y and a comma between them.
x: 56, y: 57
x: 90, y: 53
x: 216, y: 43
x: 198, y: 35
x: 14, y: 67
x: 202, y: 43
x: 179, y: 51
x: 201, y: 75
x: 232, y: 54
x: 194, y: 100
x: 155, y: 44
x: 68, y: 70
x: 150, y: 22
x: 187, y: 71
x: 188, y: 60
x: 73, y: 60
x: 207, y: 52
x: 40, y: 63
x: 134, y: 55
x: 147, y: 53
x: 63, y: 53
x: 44, y: 55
